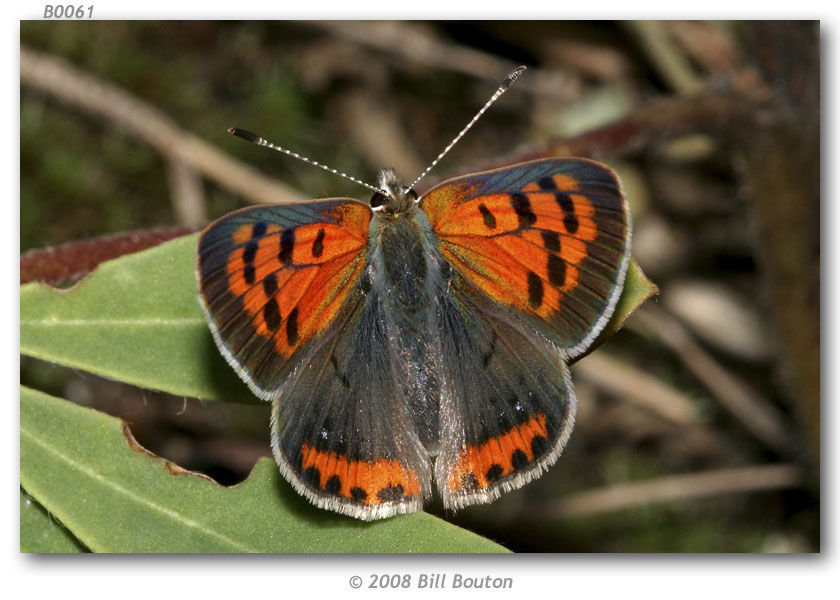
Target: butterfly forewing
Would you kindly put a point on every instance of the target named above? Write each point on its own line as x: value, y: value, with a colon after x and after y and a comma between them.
x: 272, y: 278
x: 547, y: 238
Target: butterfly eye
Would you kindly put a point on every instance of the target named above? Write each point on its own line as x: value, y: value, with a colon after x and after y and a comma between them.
x: 410, y: 194
x: 378, y: 199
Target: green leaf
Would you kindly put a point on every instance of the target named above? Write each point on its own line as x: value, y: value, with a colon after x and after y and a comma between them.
x: 137, y: 319
x: 85, y: 468
x: 637, y: 289
x: 40, y: 532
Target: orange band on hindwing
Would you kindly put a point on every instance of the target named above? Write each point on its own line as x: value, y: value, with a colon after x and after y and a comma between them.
x: 368, y: 482
x: 479, y: 466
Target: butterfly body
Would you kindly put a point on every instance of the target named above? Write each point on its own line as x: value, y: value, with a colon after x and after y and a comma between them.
x: 405, y: 278
x: 419, y: 342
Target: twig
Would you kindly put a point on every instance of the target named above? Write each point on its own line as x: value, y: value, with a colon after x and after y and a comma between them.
x: 634, y: 385
x: 378, y: 136
x: 762, y: 419
x: 413, y: 44
x: 187, y: 195
x: 57, y: 78
x: 666, y: 56
x: 711, y: 45
x: 713, y: 111
x: 68, y: 262
x: 675, y: 488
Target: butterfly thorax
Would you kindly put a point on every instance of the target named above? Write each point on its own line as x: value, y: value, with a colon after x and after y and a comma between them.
x: 401, y: 262
x: 403, y: 268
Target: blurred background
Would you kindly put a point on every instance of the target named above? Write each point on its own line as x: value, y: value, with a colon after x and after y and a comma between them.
x: 699, y: 423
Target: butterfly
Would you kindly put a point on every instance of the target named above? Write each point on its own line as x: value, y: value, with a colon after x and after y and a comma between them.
x: 417, y: 340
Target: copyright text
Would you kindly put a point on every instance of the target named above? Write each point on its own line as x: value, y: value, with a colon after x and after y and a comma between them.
x: 431, y: 581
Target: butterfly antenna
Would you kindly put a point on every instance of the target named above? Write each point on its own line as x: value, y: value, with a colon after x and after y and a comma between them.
x: 259, y: 141
x: 513, y: 76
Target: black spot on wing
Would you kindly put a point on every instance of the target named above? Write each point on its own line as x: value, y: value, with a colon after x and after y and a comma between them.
x: 333, y: 485
x: 556, y: 270
x: 494, y: 472
x: 259, y: 229
x: 565, y: 202
x: 358, y: 493
x: 551, y: 240
x: 539, y: 446
x: 469, y: 482
x: 522, y: 207
x: 270, y: 285
x: 535, y: 290
x: 250, y: 251
x: 318, y: 244
x: 519, y: 459
x: 390, y: 493
x: 292, y: 327
x: 489, y: 219
x: 312, y: 477
x: 248, y: 256
x: 271, y: 314
x: 287, y: 244
x: 570, y: 222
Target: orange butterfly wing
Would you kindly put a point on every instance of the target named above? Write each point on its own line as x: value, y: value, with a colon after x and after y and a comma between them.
x: 273, y: 278
x: 548, y: 238
x: 539, y: 252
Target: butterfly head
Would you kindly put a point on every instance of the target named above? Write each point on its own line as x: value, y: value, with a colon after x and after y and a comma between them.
x: 393, y: 197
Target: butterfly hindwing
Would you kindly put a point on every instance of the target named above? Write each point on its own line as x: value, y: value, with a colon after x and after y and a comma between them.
x: 282, y: 288
x: 548, y: 238
x: 341, y: 431
x: 510, y: 404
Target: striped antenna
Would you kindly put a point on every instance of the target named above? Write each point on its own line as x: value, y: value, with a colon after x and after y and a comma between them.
x: 513, y: 76
x: 259, y: 141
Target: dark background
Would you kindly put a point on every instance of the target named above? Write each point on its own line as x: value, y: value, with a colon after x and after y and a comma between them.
x: 698, y: 427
